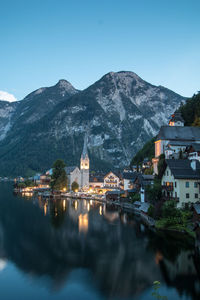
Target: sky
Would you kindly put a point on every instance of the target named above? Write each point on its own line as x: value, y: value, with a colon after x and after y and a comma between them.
x: 81, y: 40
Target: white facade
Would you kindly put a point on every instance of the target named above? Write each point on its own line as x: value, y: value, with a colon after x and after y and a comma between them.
x: 111, y: 180
x: 183, y: 190
x: 74, y: 176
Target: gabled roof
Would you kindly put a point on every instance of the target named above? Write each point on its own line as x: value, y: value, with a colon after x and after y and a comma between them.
x: 69, y: 170
x: 110, y: 173
x: 181, y: 168
x: 144, y: 207
x: 185, y: 133
x: 96, y: 178
x: 197, y: 208
x: 129, y: 175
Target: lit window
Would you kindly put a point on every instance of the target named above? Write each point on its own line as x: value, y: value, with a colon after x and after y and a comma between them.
x: 195, y: 184
x: 187, y: 184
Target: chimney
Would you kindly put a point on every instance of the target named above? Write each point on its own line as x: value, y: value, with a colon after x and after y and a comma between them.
x: 194, y: 164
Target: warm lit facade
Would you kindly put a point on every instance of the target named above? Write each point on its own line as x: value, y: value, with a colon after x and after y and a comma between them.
x: 111, y: 180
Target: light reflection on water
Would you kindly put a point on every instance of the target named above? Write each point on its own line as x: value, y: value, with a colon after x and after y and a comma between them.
x: 71, y: 249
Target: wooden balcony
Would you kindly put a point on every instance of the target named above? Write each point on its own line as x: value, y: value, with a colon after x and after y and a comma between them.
x: 168, y: 188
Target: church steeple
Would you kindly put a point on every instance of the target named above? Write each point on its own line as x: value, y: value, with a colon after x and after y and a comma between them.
x: 85, y: 162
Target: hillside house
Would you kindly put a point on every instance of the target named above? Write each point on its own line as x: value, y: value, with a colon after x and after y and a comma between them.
x: 178, y: 137
x: 181, y: 181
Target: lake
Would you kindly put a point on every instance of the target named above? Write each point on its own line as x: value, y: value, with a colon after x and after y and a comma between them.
x: 71, y: 249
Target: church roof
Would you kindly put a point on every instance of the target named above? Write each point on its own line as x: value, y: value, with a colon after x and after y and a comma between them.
x: 185, y: 133
x: 70, y: 169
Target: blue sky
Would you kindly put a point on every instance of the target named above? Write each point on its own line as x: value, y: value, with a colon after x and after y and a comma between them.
x: 47, y: 40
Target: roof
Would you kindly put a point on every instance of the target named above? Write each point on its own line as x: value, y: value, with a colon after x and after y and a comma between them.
x: 69, y: 170
x: 178, y: 143
x: 144, y: 207
x: 197, y: 208
x: 110, y: 173
x: 185, y: 133
x: 196, y: 147
x: 129, y: 175
x: 181, y: 168
x: 96, y: 178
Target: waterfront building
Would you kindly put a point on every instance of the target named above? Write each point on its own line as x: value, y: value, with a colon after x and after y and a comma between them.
x: 73, y: 175
x: 111, y: 181
x: 181, y: 181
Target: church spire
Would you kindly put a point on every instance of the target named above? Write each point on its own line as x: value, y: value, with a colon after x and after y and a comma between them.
x: 85, y: 152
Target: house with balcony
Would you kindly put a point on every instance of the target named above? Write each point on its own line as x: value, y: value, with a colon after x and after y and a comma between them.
x: 111, y: 181
x: 181, y: 181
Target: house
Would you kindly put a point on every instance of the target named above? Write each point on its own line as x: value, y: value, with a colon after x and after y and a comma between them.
x: 73, y: 175
x: 179, y: 137
x: 141, y: 183
x: 111, y: 181
x: 176, y: 120
x: 44, y: 180
x: 113, y: 195
x: 96, y: 181
x: 193, y: 151
x: 181, y: 181
x: 128, y: 179
x: 196, y: 212
x: 146, y: 181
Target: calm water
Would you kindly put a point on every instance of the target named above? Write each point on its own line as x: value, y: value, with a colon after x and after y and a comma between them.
x: 85, y: 250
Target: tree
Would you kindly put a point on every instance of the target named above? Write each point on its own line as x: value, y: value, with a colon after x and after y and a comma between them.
x: 154, y: 193
x: 75, y: 186
x: 59, y: 176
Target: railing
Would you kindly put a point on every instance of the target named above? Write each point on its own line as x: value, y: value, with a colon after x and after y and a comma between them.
x: 168, y: 187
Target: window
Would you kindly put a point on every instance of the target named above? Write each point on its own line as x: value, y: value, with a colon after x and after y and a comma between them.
x: 187, y: 184
x: 175, y: 183
x: 176, y: 194
x: 187, y: 196
x: 196, y: 196
x: 167, y: 173
x: 195, y: 184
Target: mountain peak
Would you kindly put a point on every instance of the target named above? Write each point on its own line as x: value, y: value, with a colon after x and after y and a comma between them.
x: 62, y: 83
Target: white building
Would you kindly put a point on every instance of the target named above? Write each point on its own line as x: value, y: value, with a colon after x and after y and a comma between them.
x: 181, y: 181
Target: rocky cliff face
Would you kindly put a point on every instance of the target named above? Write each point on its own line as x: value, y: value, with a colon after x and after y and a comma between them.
x: 120, y: 112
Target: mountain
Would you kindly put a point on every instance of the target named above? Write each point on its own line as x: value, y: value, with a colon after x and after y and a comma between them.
x: 119, y: 113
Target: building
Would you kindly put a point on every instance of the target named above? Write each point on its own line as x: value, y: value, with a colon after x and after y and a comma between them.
x: 179, y: 137
x: 181, y: 181
x: 84, y: 166
x: 176, y: 120
x: 73, y: 175
x: 193, y: 152
x: 111, y: 181
x: 128, y: 179
x: 96, y: 181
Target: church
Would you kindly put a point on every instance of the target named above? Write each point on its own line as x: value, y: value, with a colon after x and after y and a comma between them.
x: 81, y: 176
x: 173, y: 138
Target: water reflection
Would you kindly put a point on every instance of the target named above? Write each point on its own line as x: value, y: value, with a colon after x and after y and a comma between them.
x: 119, y: 255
